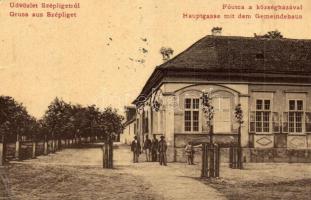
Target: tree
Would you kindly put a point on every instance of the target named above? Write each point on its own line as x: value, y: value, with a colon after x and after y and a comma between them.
x: 14, y: 118
x: 14, y: 123
x: 111, y: 125
x: 208, y: 111
x: 166, y: 52
x: 56, y: 119
x: 238, y: 114
x: 271, y: 35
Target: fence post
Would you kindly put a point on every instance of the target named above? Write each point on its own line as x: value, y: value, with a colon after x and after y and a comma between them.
x: 34, y: 145
x: 230, y: 157
x: 206, y: 163
x: 203, y: 161
x: 217, y: 161
x: 239, y: 157
x: 2, y: 154
x: 108, y: 155
x: 207, y: 160
x: 242, y: 160
x: 53, y: 145
x: 111, y: 154
x: 45, y: 146
x: 212, y: 160
x: 17, y: 147
x: 104, y: 155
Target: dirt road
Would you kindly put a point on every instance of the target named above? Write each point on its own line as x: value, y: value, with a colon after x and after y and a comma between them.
x: 170, y: 182
x: 74, y: 174
x: 77, y: 174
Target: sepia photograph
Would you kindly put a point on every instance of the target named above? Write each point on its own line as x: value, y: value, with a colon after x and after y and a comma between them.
x: 155, y: 100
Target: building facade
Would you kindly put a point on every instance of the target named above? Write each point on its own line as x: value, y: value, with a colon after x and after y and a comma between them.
x: 269, y: 78
x: 129, y: 124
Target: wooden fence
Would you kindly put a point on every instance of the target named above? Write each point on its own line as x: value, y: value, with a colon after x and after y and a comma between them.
x: 108, y: 155
x: 235, y: 158
x: 210, y: 160
x: 23, y: 150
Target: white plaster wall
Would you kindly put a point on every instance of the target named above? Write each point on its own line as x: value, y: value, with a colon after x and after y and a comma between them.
x: 128, y: 134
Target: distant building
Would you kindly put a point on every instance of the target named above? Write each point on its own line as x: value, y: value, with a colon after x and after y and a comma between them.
x: 129, y: 125
x: 270, y: 78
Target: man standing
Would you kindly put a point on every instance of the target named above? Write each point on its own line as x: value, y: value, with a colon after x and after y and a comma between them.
x: 154, y: 148
x: 135, y: 148
x: 162, y: 151
x: 189, y: 153
x: 147, y: 148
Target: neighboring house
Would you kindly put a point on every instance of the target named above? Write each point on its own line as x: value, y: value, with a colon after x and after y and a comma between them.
x: 129, y: 125
x: 270, y: 78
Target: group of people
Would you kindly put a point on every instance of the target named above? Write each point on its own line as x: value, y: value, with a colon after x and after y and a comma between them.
x: 156, y: 150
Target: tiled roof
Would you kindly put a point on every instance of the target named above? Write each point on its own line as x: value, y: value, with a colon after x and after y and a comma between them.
x: 249, y: 56
x: 245, y: 54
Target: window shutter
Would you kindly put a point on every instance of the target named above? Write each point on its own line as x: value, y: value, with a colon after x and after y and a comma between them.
x: 285, y: 122
x: 275, y: 122
x: 252, y: 123
x: 308, y: 121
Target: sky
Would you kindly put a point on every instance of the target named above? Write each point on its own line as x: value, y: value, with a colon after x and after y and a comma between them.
x: 97, y: 58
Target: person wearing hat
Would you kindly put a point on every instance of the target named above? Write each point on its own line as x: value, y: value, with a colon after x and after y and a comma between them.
x: 162, y: 147
x: 136, y: 149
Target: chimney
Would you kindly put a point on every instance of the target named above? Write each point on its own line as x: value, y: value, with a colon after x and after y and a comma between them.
x: 216, y: 31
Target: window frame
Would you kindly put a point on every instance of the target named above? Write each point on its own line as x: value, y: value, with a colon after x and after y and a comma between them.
x: 192, y: 109
x: 262, y: 111
x: 295, y: 112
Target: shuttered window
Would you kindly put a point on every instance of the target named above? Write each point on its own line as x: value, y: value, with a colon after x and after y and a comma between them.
x: 252, y: 122
x: 285, y: 122
x: 275, y: 122
x: 222, y: 114
x: 308, y: 121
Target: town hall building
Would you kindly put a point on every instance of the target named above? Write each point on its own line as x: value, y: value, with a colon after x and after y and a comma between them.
x: 269, y: 77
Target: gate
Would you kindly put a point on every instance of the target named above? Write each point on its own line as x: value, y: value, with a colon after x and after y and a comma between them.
x: 210, y: 160
x: 235, y: 157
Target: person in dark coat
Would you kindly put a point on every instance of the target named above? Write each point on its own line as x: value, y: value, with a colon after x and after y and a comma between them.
x: 162, y: 151
x: 154, y: 148
x: 147, y: 148
x: 136, y: 149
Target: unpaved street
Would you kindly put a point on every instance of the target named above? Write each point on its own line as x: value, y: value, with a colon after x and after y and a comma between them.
x: 78, y: 174
x: 170, y: 182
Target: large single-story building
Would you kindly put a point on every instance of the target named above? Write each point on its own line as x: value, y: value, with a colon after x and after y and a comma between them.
x: 270, y: 78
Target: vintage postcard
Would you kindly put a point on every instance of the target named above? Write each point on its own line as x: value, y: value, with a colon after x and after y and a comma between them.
x: 157, y: 100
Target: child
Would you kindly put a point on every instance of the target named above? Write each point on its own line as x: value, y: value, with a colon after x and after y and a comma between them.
x: 189, y: 153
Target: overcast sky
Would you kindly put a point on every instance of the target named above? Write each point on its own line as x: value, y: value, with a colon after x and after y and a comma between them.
x: 96, y: 58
